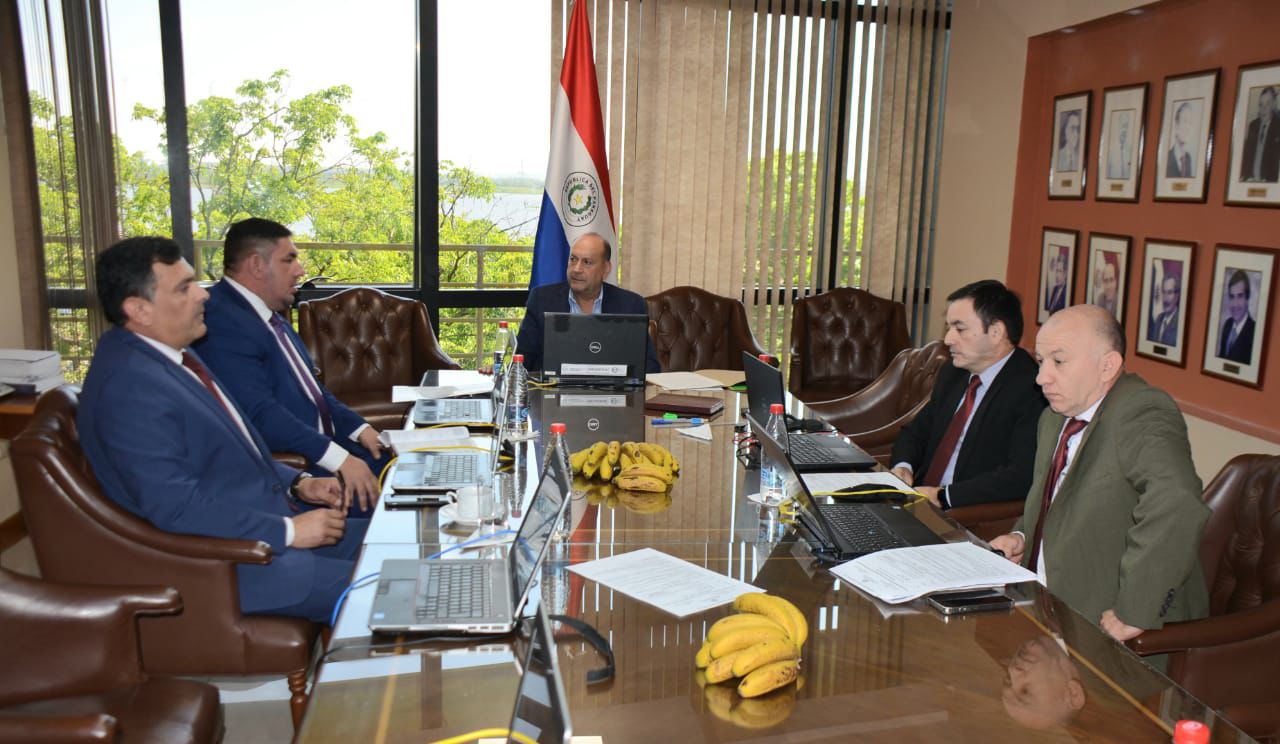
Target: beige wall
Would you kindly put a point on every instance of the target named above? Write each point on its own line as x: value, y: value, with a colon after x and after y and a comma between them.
x: 979, y: 155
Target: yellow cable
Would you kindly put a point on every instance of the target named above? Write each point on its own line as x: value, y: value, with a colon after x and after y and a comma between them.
x: 482, y: 733
x: 533, y: 384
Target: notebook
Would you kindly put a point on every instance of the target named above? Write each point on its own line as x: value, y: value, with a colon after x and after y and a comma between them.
x: 600, y: 349
x: 811, y: 453
x: 472, y: 595
x: 843, y: 531
x: 542, y: 709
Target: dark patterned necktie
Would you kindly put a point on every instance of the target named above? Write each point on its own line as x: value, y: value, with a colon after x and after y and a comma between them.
x: 951, y: 438
x: 1051, y: 484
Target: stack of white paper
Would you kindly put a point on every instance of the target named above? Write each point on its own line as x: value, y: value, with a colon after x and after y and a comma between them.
x: 832, y: 482
x: 664, y: 581
x: 404, y: 441
x: 410, y: 393
x: 682, y: 381
x: 903, y: 574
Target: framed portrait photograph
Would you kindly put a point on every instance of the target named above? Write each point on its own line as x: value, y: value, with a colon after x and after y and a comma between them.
x: 1166, y: 285
x: 1235, y: 342
x: 1067, y: 149
x: 1186, y: 136
x: 1254, y: 178
x: 1120, y: 146
x: 1057, y: 270
x: 1108, y: 272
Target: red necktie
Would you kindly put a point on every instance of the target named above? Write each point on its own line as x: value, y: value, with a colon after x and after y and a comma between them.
x: 942, y: 456
x: 1050, y: 485
x: 190, y: 362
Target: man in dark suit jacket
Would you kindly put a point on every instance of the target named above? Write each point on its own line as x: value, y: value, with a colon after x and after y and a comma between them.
x: 1118, y: 537
x: 1179, y: 162
x: 586, y: 292
x: 989, y: 458
x: 168, y: 443
x: 1163, y: 328
x: 267, y: 368
x: 1235, y: 342
x: 1260, y: 159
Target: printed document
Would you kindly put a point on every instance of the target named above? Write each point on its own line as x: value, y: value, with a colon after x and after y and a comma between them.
x: 410, y: 393
x: 831, y: 482
x: 404, y: 441
x: 682, y: 381
x: 666, y: 582
x: 903, y: 574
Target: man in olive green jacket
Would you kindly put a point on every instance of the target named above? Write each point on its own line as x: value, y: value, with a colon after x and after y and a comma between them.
x: 1121, y: 539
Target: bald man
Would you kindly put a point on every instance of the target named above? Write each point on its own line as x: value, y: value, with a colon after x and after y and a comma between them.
x: 1120, y: 540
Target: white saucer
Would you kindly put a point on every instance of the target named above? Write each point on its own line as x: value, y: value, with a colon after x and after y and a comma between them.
x: 754, y: 498
x: 449, y: 513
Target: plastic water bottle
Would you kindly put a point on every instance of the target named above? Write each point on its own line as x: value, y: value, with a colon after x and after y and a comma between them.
x: 516, y: 392
x: 558, y: 447
x: 772, y: 484
x: 500, y: 350
x: 1190, y: 732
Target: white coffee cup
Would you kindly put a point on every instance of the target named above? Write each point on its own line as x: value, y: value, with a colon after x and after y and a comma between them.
x: 474, y: 503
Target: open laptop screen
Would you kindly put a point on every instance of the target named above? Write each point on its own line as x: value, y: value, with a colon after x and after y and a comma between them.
x: 535, y: 530
x: 764, y: 386
x: 542, y: 712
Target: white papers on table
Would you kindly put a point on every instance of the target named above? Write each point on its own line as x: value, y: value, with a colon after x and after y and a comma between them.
x: 829, y: 482
x: 702, y: 432
x: 410, y: 393
x: 903, y: 574
x: 666, y: 582
x: 404, y: 441
x: 682, y: 380
x: 726, y: 377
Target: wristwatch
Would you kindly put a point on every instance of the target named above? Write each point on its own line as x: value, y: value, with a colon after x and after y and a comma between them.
x: 293, y: 487
x: 942, y: 498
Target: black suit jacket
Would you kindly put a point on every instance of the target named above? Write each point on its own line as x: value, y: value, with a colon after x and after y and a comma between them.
x: 1174, y: 169
x: 998, y: 452
x: 1242, y: 350
x: 554, y: 298
x: 1270, y: 150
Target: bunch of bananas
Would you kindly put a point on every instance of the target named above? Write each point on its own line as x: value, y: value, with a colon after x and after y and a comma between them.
x: 760, y: 646
x: 630, y: 466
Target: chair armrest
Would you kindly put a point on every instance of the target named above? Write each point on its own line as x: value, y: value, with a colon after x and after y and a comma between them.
x: 978, y: 513
x: 861, y: 412
x: 292, y: 459
x: 202, y: 548
x: 1211, y: 631
x: 34, y: 729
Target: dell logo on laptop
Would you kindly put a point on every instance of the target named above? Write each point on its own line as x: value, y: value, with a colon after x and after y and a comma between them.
x: 594, y: 347
x: 593, y: 424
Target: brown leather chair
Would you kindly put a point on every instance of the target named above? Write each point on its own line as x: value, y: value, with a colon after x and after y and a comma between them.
x: 694, y: 329
x: 363, y: 341
x: 1228, y: 659
x: 841, y: 340
x: 81, y: 536
x: 874, y: 415
x: 72, y: 670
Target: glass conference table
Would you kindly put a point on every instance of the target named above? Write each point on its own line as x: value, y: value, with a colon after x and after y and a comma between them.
x: 870, y: 672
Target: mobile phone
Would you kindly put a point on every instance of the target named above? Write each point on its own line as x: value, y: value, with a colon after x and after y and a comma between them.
x: 982, y: 600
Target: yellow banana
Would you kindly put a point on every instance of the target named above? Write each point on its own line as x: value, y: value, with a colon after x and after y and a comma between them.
x: 625, y: 460
x: 763, y: 604
x: 578, y: 459
x: 798, y: 620
x: 606, y: 470
x: 703, y: 658
x: 653, y: 453
x: 675, y: 465
x: 744, y: 637
x: 766, y: 652
x: 650, y: 470
x: 721, y: 669
x: 640, y: 483
x: 596, y: 457
x: 630, y: 450
x: 726, y: 625
x: 769, y: 677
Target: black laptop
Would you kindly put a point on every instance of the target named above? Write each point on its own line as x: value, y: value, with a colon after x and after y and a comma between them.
x: 811, y: 453
x: 844, y: 531
x: 593, y: 350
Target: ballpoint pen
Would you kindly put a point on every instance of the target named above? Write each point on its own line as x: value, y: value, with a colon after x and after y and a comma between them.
x: 688, y: 422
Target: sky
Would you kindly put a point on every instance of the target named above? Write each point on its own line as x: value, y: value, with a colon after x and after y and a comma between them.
x: 501, y: 87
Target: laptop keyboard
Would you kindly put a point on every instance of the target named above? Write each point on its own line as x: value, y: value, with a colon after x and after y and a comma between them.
x: 452, y: 469
x: 455, y: 589
x: 804, y: 451
x: 459, y: 410
x: 857, y: 526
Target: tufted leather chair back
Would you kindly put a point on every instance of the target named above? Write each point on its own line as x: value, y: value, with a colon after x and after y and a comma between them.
x: 81, y: 536
x: 364, y: 341
x: 695, y: 329
x: 1240, y: 551
x: 841, y: 340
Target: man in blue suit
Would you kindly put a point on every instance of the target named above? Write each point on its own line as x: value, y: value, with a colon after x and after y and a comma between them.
x: 267, y: 369
x: 168, y: 443
x: 584, y: 292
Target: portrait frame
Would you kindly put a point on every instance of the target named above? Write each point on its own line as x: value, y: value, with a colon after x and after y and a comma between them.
x: 1190, y: 101
x: 1239, y: 363
x: 1120, y: 143
x: 1056, y: 244
x: 1162, y: 260
x: 1112, y: 250
x: 1253, y: 179
x: 1067, y: 163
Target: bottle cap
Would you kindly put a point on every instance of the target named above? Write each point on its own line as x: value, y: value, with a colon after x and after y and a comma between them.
x: 775, y: 408
x: 518, y: 358
x: 502, y: 324
x: 1190, y: 732
x: 558, y: 428
x: 765, y: 358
